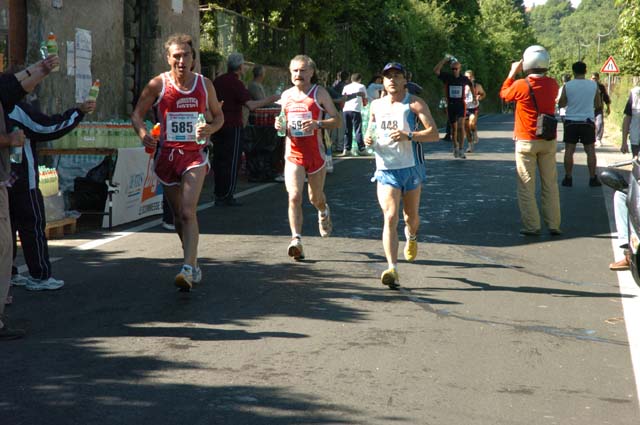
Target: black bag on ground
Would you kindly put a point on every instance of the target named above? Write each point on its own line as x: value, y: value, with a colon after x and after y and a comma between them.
x: 90, y: 192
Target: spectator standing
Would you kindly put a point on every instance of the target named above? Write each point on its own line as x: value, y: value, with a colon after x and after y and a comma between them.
x: 256, y: 89
x: 631, y: 123
x: 533, y: 153
x: 599, y: 113
x: 413, y: 88
x: 563, y: 111
x: 26, y: 204
x: 356, y: 95
x: 375, y: 88
x: 581, y: 98
x: 13, y: 87
x: 227, y: 142
x: 337, y: 134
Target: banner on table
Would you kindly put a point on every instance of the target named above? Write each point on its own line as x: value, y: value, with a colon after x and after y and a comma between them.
x: 139, y: 192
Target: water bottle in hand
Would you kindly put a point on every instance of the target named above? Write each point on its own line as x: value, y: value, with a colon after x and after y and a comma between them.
x: 371, y: 133
x: 201, y: 121
x: 282, y: 119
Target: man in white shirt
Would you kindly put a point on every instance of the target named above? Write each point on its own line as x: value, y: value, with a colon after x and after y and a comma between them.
x: 631, y: 123
x: 356, y: 94
x: 581, y: 98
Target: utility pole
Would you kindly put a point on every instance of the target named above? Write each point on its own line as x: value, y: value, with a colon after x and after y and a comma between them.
x: 599, y: 37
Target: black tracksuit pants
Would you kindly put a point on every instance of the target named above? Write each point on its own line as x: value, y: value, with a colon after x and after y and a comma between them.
x: 227, y: 150
x: 26, y: 210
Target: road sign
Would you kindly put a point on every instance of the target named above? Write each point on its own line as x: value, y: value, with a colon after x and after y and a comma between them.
x: 610, y: 66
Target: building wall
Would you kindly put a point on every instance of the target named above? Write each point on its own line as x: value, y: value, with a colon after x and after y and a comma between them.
x: 127, y: 38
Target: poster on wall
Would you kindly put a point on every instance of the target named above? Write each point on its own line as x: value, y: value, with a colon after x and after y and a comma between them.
x: 139, y: 192
x: 83, y: 64
x: 71, y: 58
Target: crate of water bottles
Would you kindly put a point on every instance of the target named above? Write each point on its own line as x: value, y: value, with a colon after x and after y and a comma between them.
x: 48, y: 180
x: 102, y: 134
x: 265, y: 117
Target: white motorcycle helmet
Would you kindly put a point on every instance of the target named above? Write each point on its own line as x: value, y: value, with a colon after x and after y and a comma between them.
x: 535, y: 57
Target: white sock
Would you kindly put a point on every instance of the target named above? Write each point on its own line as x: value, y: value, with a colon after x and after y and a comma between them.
x: 393, y: 266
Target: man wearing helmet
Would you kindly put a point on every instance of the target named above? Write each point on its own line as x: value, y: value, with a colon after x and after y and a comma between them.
x: 535, y: 94
x: 581, y: 98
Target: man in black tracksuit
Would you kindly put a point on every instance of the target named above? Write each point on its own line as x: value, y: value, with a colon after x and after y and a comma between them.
x: 26, y: 206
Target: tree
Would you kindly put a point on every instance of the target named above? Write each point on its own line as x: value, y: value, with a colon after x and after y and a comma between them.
x: 629, y: 30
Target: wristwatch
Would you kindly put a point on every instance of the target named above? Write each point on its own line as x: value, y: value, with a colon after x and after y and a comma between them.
x: 319, y: 123
x: 410, y: 135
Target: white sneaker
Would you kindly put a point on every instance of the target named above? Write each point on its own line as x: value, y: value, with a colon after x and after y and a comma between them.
x: 279, y: 178
x: 324, y: 222
x: 168, y: 226
x: 461, y: 154
x: 50, y: 284
x: 184, y: 279
x: 197, y: 275
x: 19, y: 280
x: 294, y: 250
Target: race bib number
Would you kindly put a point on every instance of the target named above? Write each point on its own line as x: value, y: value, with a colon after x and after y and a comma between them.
x: 455, y: 92
x: 295, y: 120
x: 181, y: 126
x: 386, y: 124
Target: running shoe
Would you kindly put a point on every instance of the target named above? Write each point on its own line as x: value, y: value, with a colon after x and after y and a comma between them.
x: 50, y: 284
x: 410, y: 246
x: 19, y: 280
x: 455, y: 153
x: 390, y: 278
x: 197, y: 275
x: 324, y: 222
x: 594, y: 182
x: 168, y: 226
x: 461, y: 155
x: 295, y: 250
x: 470, y: 148
x: 184, y: 279
x: 567, y: 181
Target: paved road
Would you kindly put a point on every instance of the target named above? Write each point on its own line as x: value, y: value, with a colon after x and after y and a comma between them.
x: 489, y: 327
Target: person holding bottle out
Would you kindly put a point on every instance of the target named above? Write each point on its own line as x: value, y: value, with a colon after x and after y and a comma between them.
x: 181, y: 163
x: 303, y: 106
x: 400, y: 167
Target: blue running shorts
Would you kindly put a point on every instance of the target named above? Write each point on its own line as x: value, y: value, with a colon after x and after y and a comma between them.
x: 405, y: 179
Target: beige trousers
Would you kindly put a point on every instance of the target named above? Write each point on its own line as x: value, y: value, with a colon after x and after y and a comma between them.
x: 540, y: 155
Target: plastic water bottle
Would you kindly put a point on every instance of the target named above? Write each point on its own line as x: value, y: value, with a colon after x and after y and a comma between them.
x: 52, y: 48
x: 94, y: 90
x: 155, y: 133
x: 201, y: 121
x: 371, y: 132
x: 282, y: 119
x: 15, y: 154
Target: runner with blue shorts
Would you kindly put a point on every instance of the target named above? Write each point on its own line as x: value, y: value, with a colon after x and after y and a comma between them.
x: 399, y: 162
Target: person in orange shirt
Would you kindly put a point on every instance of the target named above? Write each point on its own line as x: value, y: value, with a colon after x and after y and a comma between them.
x: 532, y: 152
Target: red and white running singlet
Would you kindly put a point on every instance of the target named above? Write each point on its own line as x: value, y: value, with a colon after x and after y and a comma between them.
x: 178, y: 113
x: 303, y: 148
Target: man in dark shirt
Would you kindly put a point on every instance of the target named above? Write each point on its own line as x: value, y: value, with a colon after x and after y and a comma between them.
x: 227, y: 142
x: 454, y: 87
x: 599, y: 116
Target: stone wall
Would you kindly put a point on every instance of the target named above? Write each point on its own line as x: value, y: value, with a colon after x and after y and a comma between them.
x: 127, y: 38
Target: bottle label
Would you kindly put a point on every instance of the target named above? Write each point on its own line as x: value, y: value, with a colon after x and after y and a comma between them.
x: 181, y: 126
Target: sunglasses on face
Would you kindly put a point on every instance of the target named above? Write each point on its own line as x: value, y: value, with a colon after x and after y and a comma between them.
x: 455, y: 69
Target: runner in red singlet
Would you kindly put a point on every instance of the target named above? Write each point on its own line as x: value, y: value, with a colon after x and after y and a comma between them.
x: 181, y: 163
x: 304, y: 105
